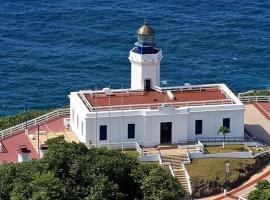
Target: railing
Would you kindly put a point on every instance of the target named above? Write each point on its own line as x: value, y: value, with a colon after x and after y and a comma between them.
x: 187, y: 178
x: 165, y: 164
x: 118, y: 145
x: 243, y: 196
x: 221, y: 139
x: 138, y: 148
x: 160, y: 105
x: 33, y: 122
x: 248, y: 99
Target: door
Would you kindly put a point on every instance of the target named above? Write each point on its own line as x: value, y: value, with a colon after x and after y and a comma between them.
x: 165, y: 132
x: 147, y: 84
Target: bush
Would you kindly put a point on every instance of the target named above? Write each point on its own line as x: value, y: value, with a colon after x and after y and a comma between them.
x: 71, y: 171
x: 257, y: 93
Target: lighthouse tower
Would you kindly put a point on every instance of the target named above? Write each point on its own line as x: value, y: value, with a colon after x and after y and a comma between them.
x: 145, y: 60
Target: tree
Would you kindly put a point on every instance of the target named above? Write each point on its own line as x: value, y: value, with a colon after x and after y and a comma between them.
x: 223, y: 131
x: 262, y: 191
x: 157, y: 184
x: 71, y: 171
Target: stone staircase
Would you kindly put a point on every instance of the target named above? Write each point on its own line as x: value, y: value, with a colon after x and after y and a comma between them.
x: 175, y: 161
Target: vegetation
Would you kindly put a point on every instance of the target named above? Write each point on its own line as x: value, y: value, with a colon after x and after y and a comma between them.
x: 223, y: 131
x: 71, y: 171
x: 261, y: 192
x: 9, y: 121
x: 207, y: 175
x: 213, y: 168
x: 226, y: 149
x: 257, y: 93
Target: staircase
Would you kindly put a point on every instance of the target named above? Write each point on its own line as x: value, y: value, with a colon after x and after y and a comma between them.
x: 175, y: 161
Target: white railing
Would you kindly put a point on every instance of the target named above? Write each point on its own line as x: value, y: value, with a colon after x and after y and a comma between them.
x: 117, y: 145
x: 159, y: 105
x: 243, y: 197
x: 166, y: 164
x: 33, y: 122
x: 138, y: 148
x: 200, y: 146
x: 187, y: 178
x: 248, y: 99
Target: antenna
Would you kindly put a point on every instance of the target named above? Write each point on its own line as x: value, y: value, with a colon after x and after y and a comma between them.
x: 96, y: 114
x: 109, y: 112
x: 122, y: 102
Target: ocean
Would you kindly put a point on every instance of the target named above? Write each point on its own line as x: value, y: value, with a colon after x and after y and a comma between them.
x: 49, y: 48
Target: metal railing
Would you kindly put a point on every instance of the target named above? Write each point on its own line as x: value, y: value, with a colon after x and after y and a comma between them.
x: 249, y: 99
x: 33, y: 122
x: 160, y: 105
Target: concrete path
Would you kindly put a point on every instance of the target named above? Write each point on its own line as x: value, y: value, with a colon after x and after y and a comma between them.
x: 256, y: 123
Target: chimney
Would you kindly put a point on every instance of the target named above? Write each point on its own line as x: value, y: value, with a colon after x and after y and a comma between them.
x: 23, y: 153
x: 43, y: 149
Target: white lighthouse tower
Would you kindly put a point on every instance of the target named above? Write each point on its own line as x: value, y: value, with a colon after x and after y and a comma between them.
x: 145, y: 60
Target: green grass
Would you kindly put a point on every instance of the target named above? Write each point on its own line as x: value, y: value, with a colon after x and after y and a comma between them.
x: 227, y: 148
x: 132, y: 153
x: 213, y: 168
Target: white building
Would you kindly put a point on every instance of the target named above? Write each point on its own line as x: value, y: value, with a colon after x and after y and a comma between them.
x: 149, y: 114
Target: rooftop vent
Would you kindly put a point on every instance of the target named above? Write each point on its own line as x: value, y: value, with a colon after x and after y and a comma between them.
x: 170, y: 95
x: 107, y: 91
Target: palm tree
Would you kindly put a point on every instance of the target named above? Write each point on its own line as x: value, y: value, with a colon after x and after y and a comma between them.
x: 223, y: 131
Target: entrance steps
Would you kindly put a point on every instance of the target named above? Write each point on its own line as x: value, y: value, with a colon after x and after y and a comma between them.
x: 175, y: 161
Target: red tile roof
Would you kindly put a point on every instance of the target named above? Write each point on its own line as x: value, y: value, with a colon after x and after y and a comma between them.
x: 154, y: 97
x: 11, y: 145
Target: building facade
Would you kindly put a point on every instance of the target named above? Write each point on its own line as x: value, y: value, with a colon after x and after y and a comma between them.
x: 149, y: 114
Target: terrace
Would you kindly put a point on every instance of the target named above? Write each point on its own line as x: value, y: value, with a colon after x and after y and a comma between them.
x: 175, y: 97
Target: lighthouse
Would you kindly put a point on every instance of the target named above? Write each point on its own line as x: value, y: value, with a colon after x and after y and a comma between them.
x: 145, y: 60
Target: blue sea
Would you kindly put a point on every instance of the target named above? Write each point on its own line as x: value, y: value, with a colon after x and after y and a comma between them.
x: 49, y: 48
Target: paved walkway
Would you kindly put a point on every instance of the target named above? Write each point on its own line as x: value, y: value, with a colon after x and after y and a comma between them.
x: 256, y: 123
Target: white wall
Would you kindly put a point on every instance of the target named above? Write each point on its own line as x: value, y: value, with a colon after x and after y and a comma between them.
x: 213, y: 120
x: 145, y: 66
x: 78, y: 110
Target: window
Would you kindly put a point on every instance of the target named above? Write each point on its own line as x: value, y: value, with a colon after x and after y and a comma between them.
x: 198, y: 127
x: 72, y: 114
x: 77, y: 121
x: 103, y: 132
x: 131, y: 131
x: 226, y: 122
x: 82, y: 129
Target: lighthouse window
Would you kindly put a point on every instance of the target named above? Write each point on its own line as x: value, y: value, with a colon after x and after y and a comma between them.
x: 131, y: 131
x: 77, y: 121
x: 72, y: 114
x: 198, y: 127
x: 103, y: 132
x: 82, y: 129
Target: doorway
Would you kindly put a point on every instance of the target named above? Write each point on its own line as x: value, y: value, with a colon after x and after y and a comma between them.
x: 147, y: 84
x: 165, y: 132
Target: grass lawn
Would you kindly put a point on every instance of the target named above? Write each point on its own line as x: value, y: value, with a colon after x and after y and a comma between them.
x: 213, y: 168
x: 227, y: 148
x: 256, y: 150
x: 132, y: 153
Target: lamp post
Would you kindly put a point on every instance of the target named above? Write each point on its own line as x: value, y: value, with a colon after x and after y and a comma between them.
x: 26, y: 121
x: 227, y: 171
